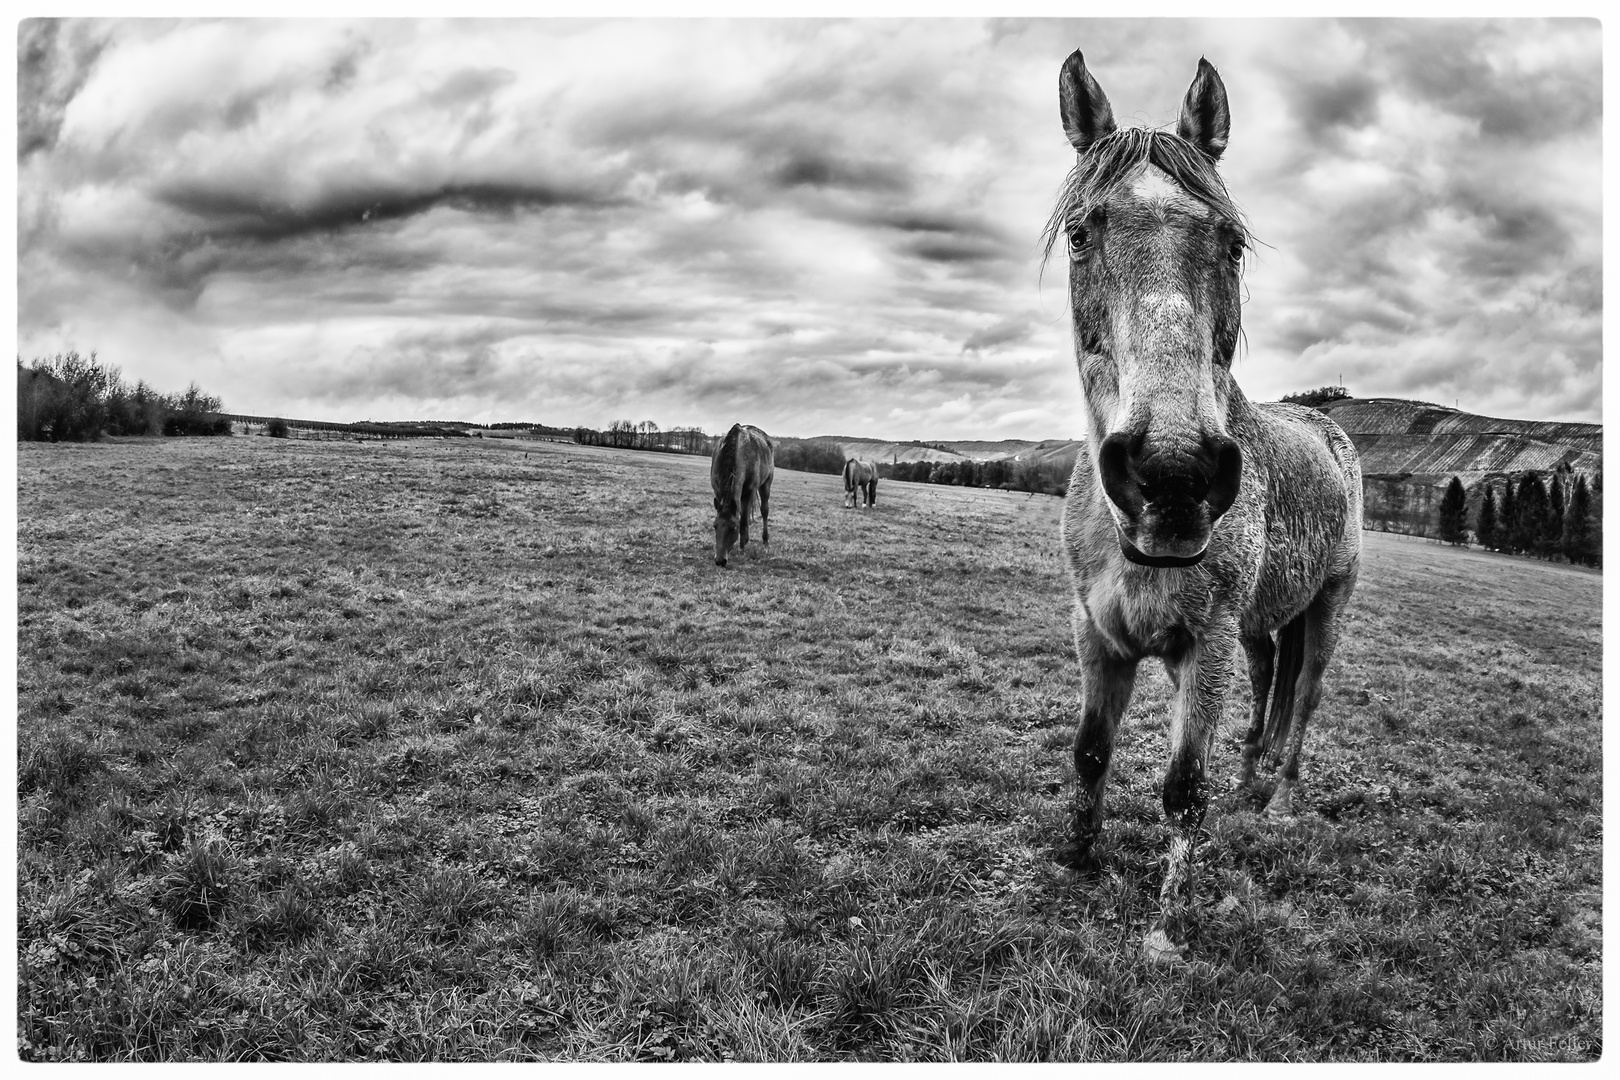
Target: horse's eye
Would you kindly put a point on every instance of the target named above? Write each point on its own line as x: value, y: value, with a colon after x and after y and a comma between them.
x: 1234, y: 251
x: 1079, y: 237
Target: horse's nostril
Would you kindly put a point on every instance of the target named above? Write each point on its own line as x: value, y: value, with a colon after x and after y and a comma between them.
x: 1114, y: 462
x: 1227, y: 476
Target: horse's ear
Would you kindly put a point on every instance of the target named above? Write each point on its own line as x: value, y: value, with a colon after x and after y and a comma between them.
x: 1087, y: 116
x: 1205, y: 121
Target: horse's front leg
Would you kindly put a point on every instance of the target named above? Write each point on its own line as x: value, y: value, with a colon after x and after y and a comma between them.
x: 1201, y: 676
x: 1262, y: 654
x: 1106, y: 681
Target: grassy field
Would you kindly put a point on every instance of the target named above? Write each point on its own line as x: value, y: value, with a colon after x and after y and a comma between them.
x: 444, y: 750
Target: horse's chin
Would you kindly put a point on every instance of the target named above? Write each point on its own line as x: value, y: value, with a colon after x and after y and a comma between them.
x: 1157, y: 561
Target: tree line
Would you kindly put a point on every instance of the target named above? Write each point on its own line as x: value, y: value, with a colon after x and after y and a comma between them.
x: 646, y: 435
x: 1049, y: 477
x: 1563, y: 522
x: 1320, y: 396
x: 74, y: 398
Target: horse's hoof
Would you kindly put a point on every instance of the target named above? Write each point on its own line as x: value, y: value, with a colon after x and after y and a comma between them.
x: 1280, y: 810
x: 1157, y: 948
x: 1083, y: 861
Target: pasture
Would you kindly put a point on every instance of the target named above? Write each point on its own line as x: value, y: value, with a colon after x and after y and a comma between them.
x: 448, y: 750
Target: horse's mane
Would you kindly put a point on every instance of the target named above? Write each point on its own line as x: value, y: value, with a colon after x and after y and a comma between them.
x: 1114, y: 159
x: 726, y: 461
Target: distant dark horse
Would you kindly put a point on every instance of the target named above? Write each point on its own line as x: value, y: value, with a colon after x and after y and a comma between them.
x: 741, y: 472
x: 1195, y: 520
x: 860, y: 477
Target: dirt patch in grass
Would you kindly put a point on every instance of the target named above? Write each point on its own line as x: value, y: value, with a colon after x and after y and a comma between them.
x: 431, y: 751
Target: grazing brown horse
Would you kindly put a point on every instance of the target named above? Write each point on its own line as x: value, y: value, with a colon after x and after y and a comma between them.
x: 741, y: 472
x: 859, y: 477
x: 1195, y: 520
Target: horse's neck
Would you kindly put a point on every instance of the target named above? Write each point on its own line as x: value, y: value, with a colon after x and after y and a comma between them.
x: 1239, y: 409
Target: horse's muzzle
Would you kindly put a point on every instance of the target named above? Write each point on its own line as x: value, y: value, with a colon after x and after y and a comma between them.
x: 1135, y: 555
x: 1168, y: 504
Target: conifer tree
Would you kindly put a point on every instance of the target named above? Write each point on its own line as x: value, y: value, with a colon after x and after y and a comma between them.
x: 1485, y: 525
x: 1577, y: 538
x: 1531, y: 525
x: 1553, y: 532
x: 1507, y: 520
x: 1454, y: 513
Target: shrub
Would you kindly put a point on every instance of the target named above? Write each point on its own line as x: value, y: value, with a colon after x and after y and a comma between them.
x: 195, y: 413
x: 77, y: 398
x: 1320, y: 396
x: 63, y: 397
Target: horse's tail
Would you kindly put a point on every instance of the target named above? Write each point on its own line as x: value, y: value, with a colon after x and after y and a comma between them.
x: 1290, y: 661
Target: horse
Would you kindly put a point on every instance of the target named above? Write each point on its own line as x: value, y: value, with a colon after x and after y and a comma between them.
x: 859, y: 477
x: 1195, y: 521
x: 741, y: 472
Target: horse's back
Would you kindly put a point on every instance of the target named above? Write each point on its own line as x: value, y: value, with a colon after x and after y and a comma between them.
x: 762, y: 455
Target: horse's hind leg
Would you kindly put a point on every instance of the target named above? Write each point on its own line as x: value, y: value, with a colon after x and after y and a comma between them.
x: 1322, y: 620
x: 1262, y: 654
x: 745, y: 511
x: 765, y: 511
x: 1106, y: 681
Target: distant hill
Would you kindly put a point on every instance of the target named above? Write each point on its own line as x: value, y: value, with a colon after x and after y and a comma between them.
x: 1412, y: 438
x: 960, y: 450
x: 1410, y: 450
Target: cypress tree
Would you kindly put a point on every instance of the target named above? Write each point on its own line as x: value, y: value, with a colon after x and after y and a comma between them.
x: 1553, y: 539
x: 1532, y: 523
x: 1577, y: 535
x: 1485, y: 526
x: 1507, y: 521
x: 1454, y: 513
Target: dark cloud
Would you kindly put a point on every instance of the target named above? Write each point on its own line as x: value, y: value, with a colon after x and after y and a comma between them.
x: 225, y: 211
x: 1345, y: 101
x: 807, y: 169
x: 341, y: 71
x: 955, y: 249
x: 53, y: 62
x: 1007, y: 332
x: 1449, y: 63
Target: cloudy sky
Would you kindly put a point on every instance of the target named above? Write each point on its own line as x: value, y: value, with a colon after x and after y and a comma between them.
x: 818, y: 227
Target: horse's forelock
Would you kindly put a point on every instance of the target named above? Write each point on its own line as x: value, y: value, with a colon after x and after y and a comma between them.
x: 1112, y: 161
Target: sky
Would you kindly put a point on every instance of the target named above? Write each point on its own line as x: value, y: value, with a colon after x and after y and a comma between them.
x: 819, y: 227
